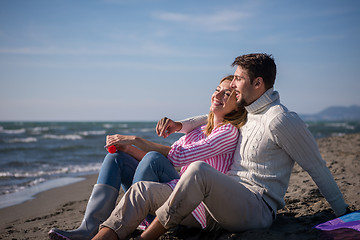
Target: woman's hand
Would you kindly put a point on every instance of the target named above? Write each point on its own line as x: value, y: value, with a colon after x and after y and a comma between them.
x: 131, y: 142
x: 119, y: 141
x: 166, y: 126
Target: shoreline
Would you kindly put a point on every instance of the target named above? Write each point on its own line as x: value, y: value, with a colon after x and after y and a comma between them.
x: 48, y: 200
x: 63, y: 207
x: 29, y: 193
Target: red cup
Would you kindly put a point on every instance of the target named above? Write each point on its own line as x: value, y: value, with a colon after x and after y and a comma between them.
x: 111, y: 149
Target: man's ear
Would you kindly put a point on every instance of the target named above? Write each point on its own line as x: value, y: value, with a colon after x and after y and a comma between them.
x: 259, y: 82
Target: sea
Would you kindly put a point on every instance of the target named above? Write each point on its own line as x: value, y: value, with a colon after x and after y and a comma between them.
x: 37, y: 156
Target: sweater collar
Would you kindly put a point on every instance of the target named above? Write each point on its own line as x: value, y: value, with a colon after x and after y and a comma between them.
x: 262, y: 102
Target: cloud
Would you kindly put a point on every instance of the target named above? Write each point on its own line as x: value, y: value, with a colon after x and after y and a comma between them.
x: 226, y: 20
x: 147, y: 48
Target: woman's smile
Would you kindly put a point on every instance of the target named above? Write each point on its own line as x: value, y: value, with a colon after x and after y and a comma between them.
x: 217, y: 102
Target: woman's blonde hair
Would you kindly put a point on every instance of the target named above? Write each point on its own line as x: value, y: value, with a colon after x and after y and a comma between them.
x: 236, y: 117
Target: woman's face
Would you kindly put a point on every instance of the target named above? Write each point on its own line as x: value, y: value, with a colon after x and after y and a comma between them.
x: 223, y: 100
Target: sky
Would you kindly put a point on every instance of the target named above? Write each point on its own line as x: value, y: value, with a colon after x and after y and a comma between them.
x: 141, y: 60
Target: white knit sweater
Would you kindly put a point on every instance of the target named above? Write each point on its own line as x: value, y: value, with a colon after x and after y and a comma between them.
x: 271, y: 141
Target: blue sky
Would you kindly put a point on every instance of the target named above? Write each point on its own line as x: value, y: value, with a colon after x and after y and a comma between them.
x: 120, y: 60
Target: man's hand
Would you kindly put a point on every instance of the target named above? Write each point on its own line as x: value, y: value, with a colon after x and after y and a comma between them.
x: 166, y: 126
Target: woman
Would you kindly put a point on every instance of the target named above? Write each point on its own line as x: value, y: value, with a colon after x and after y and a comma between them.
x: 214, y: 144
x: 119, y: 168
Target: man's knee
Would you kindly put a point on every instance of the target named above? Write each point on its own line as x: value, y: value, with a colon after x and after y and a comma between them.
x: 155, y: 194
x: 197, y: 172
x: 139, y: 187
x: 198, y: 167
x: 148, y: 188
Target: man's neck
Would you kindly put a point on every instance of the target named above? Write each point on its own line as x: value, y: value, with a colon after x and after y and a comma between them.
x: 264, y: 100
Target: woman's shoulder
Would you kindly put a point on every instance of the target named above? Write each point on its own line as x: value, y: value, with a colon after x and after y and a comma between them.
x: 227, y: 128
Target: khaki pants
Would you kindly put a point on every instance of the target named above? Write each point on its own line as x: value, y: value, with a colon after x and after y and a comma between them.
x: 141, y: 198
x: 230, y: 205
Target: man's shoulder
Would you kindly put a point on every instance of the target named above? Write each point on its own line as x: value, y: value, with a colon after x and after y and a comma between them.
x: 277, y: 110
x: 279, y: 113
x: 280, y: 116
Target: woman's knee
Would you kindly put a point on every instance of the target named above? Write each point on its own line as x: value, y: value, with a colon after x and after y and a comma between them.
x: 152, y: 159
x: 116, y: 158
x: 110, y: 159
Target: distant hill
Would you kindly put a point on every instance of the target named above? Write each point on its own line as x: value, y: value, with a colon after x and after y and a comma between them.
x: 334, y: 114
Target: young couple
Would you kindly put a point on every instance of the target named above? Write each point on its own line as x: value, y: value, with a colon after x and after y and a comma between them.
x: 220, y: 188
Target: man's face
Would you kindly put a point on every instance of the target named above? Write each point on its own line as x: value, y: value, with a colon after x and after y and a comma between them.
x: 244, y: 90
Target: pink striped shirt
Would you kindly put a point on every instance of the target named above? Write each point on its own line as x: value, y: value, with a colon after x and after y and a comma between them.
x: 217, y: 150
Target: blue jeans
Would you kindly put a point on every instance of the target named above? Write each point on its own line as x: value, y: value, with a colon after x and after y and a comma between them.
x: 121, y: 169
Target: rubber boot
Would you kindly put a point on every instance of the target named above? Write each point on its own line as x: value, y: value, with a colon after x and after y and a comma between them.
x: 101, y: 204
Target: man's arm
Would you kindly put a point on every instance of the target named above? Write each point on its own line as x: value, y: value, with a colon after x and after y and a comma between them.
x: 190, y: 124
x: 292, y: 135
x: 166, y: 126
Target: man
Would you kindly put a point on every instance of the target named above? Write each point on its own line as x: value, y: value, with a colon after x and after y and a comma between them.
x: 271, y: 141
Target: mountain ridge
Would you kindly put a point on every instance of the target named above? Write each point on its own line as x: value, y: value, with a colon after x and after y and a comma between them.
x: 334, y: 113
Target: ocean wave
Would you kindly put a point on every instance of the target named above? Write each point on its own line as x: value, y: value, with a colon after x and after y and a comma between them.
x: 63, y: 137
x: 93, y: 167
x: 22, y: 140
x: 146, y: 130
x: 119, y: 125
x: 33, y: 178
x: 39, y: 130
x: 340, y: 125
x: 92, y: 133
x: 19, y: 187
x: 35, y: 182
x: 12, y: 131
x: 107, y: 125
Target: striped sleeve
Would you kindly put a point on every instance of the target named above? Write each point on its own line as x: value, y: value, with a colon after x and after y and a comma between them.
x: 192, y: 148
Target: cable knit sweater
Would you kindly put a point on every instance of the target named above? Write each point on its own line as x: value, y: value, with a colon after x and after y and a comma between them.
x: 271, y: 141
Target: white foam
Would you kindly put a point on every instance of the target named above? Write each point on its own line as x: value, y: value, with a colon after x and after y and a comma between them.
x: 340, y: 125
x: 120, y: 125
x: 26, y: 194
x: 63, y: 137
x: 92, y: 133
x: 38, y: 130
x: 12, y: 131
x: 94, y: 167
x: 107, y: 125
x: 22, y: 140
x: 147, y: 130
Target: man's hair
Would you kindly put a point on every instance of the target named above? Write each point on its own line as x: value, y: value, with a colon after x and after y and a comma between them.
x: 258, y: 65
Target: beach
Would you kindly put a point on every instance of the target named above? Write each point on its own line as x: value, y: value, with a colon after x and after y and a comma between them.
x: 63, y: 207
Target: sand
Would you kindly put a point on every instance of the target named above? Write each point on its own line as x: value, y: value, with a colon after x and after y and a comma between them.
x: 64, y: 207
